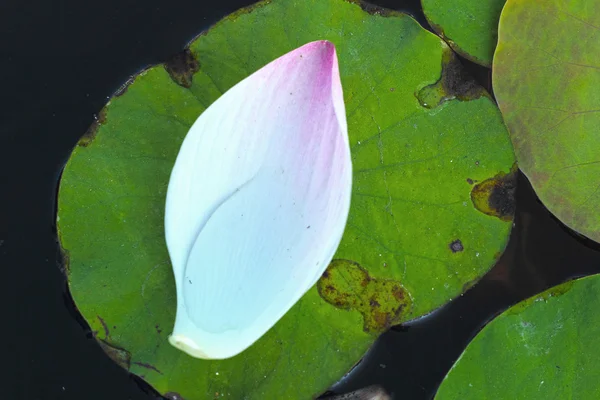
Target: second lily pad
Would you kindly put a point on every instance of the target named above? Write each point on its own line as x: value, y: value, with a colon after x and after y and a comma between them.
x: 545, y: 347
x: 432, y: 203
x: 546, y: 79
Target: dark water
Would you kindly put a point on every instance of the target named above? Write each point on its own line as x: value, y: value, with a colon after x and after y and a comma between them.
x: 59, y: 61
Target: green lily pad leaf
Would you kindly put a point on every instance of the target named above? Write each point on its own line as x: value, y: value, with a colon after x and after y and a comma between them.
x: 547, y: 89
x: 432, y: 203
x: 546, y: 76
x: 545, y: 347
x: 469, y: 26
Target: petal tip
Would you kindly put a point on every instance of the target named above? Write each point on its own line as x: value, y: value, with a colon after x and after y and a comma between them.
x: 320, y: 45
x: 323, y: 47
x: 325, y: 43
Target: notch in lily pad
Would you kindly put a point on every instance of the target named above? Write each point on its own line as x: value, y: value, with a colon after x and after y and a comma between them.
x: 496, y: 196
x: 454, y: 83
x: 265, y: 161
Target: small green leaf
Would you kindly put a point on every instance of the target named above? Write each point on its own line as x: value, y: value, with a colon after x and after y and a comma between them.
x: 545, y: 347
x: 546, y: 79
x: 469, y: 26
x: 423, y: 137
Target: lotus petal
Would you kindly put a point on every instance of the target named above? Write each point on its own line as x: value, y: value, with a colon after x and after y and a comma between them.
x: 257, y: 201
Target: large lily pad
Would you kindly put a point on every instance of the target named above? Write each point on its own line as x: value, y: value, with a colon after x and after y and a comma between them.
x: 469, y: 26
x: 543, y: 348
x: 431, y: 208
x: 546, y: 79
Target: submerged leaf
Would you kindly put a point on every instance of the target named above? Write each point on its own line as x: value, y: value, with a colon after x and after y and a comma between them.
x: 257, y: 201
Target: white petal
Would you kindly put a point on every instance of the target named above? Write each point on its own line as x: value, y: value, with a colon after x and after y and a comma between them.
x: 258, y: 201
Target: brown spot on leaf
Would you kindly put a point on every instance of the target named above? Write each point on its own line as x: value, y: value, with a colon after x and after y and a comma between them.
x: 147, y: 366
x: 182, y: 67
x: 454, y: 83
x: 470, y: 181
x: 456, y: 246
x: 365, y: 281
x: 496, y: 196
x: 399, y: 292
x: 381, y: 318
x: 104, y: 326
x: 121, y: 356
x: 89, y: 135
x: 381, y: 302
